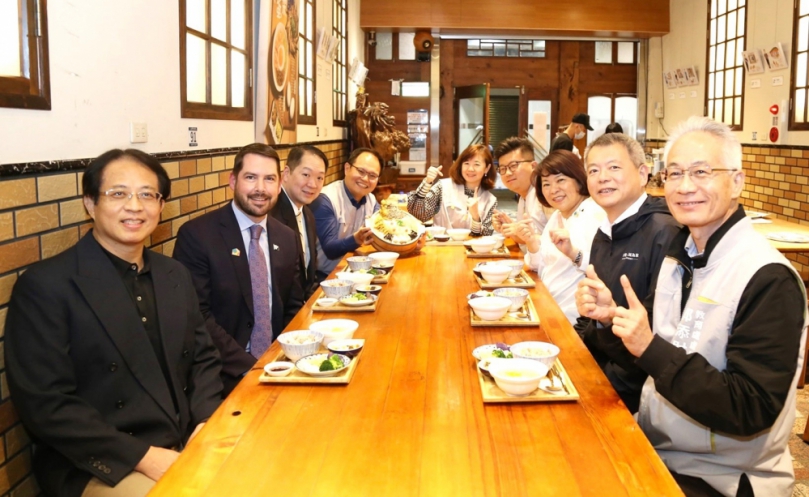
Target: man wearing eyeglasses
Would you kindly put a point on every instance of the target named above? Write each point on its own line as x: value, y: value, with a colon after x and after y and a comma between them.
x: 515, y: 162
x: 342, y: 207
x: 109, y: 364
x: 632, y: 240
x: 722, y: 337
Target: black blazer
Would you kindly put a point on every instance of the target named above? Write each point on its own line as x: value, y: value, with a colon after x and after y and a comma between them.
x: 84, y: 376
x: 284, y: 212
x: 207, y: 246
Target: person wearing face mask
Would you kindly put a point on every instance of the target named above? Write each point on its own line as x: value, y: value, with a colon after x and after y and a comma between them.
x: 463, y: 200
x: 575, y: 131
x: 562, y: 252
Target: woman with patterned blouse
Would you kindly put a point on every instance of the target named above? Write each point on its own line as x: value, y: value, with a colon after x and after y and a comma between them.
x: 463, y: 200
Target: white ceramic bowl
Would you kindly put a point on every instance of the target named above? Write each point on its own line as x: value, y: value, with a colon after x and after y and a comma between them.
x: 336, y: 289
x: 458, y: 234
x: 483, y: 245
x: 359, y: 262
x: 349, y: 347
x: 499, y: 240
x: 495, y: 273
x: 517, y: 296
x: 326, y: 302
x: 294, y: 350
x: 335, y: 329
x: 536, y: 351
x: 386, y: 258
x: 490, y: 308
x: 356, y: 278
x: 279, y: 368
x: 517, y: 377
x: 436, y: 230
x: 516, y: 266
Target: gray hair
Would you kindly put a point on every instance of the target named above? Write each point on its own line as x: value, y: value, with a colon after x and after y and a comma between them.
x: 731, y: 148
x: 633, y: 148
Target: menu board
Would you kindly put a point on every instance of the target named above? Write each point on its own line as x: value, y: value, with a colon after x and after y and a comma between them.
x: 283, y: 72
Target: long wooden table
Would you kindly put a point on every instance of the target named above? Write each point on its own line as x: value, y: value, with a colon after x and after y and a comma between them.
x: 412, y: 421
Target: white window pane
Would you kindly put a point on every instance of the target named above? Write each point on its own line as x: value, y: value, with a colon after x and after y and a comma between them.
x: 720, y: 29
x: 310, y: 22
x: 710, y: 109
x: 800, y: 106
x: 309, y: 60
x: 803, y: 34
x: 301, y: 97
x: 730, y: 54
x: 722, y: 6
x: 732, y: 25
x: 9, y: 39
x: 741, y: 3
x: 739, y: 79
x: 219, y: 75
x: 603, y: 52
x: 195, y: 69
x: 384, y: 46
x: 219, y: 29
x: 732, y: 4
x: 600, y: 111
x: 717, y: 112
x: 344, y: 25
x: 309, y: 98
x: 737, y: 114
x: 301, y: 58
x: 713, y: 10
x: 237, y: 20
x: 720, y: 56
x: 626, y: 52
x: 728, y: 119
x: 720, y: 84
x: 195, y: 15
x: 407, y: 51
x: 740, y: 23
x: 804, y: 8
x: 712, y: 59
x: 710, y: 86
x: 626, y: 114
x: 237, y: 72
x: 800, y: 71
x: 739, y: 50
x: 712, y: 31
x: 729, y: 83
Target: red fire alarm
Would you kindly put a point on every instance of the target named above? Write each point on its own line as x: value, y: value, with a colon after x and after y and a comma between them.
x: 774, y: 110
x: 774, y: 134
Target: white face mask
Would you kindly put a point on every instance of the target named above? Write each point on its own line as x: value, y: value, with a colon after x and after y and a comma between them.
x: 579, y: 135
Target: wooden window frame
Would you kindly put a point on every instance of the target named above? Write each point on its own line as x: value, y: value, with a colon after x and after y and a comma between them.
x: 793, y: 125
x: 708, y: 73
x: 340, y: 64
x: 198, y: 110
x: 32, y: 90
x: 614, y: 49
x: 304, y: 118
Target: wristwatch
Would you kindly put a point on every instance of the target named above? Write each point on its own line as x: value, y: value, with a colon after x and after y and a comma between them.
x: 577, y: 260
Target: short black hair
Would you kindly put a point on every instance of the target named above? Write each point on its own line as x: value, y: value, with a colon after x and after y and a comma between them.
x: 94, y: 174
x: 511, y: 144
x: 614, y: 128
x: 352, y: 159
x: 296, y: 156
x: 258, y: 149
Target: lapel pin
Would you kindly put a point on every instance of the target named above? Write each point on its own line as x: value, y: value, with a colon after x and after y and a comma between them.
x: 235, y: 252
x: 275, y: 247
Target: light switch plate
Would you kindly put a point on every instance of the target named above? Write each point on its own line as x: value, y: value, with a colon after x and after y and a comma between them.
x: 778, y: 81
x: 755, y: 83
x: 138, y: 133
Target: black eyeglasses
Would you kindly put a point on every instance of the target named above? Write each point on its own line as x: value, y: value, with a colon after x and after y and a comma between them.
x: 511, y: 166
x: 365, y: 174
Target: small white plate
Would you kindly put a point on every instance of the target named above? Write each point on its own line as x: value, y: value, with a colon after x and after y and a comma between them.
x: 358, y: 303
x: 788, y: 237
x: 484, y: 351
x: 311, y: 365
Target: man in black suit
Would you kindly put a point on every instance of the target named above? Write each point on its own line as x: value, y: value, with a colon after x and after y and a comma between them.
x: 246, y: 299
x: 109, y: 363
x: 302, y: 181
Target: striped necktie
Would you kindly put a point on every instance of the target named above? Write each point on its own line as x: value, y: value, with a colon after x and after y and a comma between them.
x: 261, y: 337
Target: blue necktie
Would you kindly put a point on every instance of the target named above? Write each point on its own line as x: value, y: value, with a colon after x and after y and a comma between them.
x: 261, y: 338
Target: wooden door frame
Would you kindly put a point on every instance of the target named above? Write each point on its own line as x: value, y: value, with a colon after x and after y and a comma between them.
x: 482, y: 90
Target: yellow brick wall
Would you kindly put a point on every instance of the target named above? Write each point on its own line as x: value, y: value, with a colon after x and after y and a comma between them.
x: 777, y: 181
x: 42, y: 215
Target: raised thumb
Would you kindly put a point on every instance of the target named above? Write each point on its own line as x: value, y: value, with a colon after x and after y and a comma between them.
x: 631, y: 298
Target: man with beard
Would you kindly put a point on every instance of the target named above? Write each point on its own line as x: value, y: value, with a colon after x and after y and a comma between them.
x: 244, y: 264
x: 342, y: 207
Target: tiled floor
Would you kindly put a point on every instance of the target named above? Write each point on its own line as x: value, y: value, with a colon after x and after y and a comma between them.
x: 799, y: 449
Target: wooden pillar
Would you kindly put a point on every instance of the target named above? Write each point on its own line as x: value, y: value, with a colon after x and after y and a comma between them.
x: 570, y: 102
x: 447, y: 113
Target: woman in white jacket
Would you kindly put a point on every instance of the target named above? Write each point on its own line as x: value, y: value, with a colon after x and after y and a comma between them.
x: 562, y: 252
x: 463, y: 200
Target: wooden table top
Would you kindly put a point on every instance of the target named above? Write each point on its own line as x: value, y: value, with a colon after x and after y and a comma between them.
x: 412, y: 421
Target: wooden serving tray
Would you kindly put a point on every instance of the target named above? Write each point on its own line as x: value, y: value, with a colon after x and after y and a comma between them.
x: 297, y: 377
x: 340, y: 307
x: 492, y: 394
x: 501, y: 253
x: 509, y: 319
x: 378, y: 280
x: 521, y: 281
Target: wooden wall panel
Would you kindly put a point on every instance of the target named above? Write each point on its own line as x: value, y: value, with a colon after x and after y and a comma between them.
x: 628, y: 18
